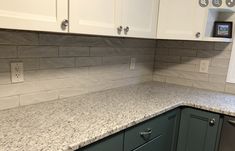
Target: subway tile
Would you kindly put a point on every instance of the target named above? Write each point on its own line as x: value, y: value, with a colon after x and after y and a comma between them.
x: 11, y: 37
x: 141, y: 51
x: 9, y: 102
x: 182, y: 52
x: 54, y: 84
x: 88, y: 61
x: 129, y: 81
x: 4, y: 65
x: 51, y: 63
x: 73, y: 51
x: 218, y: 70
x: 207, y: 53
x: 37, y: 51
x: 205, y: 45
x: 74, y: 91
x: 190, y: 44
x: 31, y: 64
x: 52, y: 74
x: 30, y: 76
x: 169, y: 44
x: 183, y: 74
x: 193, y: 76
x: 168, y: 59
x: 217, y: 78
x: 159, y: 78
x: 144, y: 59
x: 213, y: 54
x: 8, y: 52
x: 5, y: 78
x: 179, y: 81
x: 230, y: 88
x: 160, y: 65
x: 220, y: 62
x: 116, y: 60
x: 223, y: 46
x: 166, y: 72
x: 162, y: 51
x: 139, y: 43
x: 140, y: 69
x: 209, y: 86
x: 38, y: 97
x: 70, y: 40
x: 113, y: 42
x: 190, y: 60
x: 109, y: 51
x: 182, y: 67
x: 19, y: 88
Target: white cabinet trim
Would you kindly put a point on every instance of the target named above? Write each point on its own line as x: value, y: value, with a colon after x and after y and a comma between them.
x: 231, y: 70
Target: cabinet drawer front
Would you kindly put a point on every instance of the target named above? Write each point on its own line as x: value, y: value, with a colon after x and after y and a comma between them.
x: 113, y: 143
x: 160, y: 126
x: 154, y: 145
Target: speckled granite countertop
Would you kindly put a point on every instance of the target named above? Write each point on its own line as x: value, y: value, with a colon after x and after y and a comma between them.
x: 75, y: 122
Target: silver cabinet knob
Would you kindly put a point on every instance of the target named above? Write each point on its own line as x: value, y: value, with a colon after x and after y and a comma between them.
x: 64, y: 24
x: 119, y: 29
x: 198, y: 35
x: 212, y: 122
x: 126, y: 30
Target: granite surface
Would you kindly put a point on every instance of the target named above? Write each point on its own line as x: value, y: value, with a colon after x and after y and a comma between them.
x: 72, y: 123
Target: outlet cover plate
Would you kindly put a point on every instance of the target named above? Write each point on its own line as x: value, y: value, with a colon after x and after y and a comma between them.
x: 204, y: 66
x: 17, y: 72
x: 132, y: 63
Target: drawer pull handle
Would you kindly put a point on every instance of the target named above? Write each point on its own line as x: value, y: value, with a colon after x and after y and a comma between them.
x: 231, y: 122
x: 212, y: 122
x: 148, y: 132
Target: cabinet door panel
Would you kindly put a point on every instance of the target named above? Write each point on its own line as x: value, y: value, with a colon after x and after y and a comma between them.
x: 196, y: 133
x: 94, y: 16
x: 141, y: 17
x: 43, y: 15
x: 113, y: 143
x: 180, y: 19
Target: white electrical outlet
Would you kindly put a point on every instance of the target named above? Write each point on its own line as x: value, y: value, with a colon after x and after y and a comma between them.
x: 17, y: 72
x: 204, y: 66
x: 132, y: 63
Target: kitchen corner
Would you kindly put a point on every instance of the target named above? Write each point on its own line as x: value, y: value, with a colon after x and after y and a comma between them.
x: 75, y: 122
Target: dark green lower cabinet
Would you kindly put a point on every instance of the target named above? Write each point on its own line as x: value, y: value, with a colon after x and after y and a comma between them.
x: 113, y: 143
x: 198, y: 130
x: 178, y: 130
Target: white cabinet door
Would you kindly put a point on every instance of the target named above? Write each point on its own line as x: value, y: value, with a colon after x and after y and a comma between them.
x: 97, y: 17
x: 181, y: 19
x: 141, y: 18
x: 43, y: 15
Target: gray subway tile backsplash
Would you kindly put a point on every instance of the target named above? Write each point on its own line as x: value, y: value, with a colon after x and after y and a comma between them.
x: 63, y: 65
x: 169, y: 70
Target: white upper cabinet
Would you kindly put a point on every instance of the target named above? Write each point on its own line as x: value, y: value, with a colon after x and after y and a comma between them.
x: 43, y: 15
x: 126, y: 18
x: 139, y: 18
x: 181, y: 19
x: 98, y: 17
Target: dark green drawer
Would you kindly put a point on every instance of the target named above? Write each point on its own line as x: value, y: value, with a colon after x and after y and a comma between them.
x: 163, y: 125
x: 113, y: 143
x: 154, y: 145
